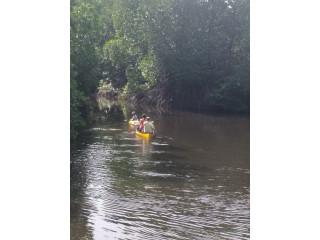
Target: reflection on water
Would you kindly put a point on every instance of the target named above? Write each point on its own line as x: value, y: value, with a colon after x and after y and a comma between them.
x: 190, y: 182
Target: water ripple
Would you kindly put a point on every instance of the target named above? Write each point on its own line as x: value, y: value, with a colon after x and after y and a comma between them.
x: 128, y: 188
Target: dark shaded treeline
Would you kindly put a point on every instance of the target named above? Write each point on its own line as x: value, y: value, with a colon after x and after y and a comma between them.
x: 186, y: 54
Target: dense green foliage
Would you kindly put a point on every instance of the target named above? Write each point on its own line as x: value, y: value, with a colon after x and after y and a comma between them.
x: 77, y: 100
x: 190, y: 54
x: 89, y: 29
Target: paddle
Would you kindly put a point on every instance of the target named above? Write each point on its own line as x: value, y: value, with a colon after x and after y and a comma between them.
x: 131, y: 128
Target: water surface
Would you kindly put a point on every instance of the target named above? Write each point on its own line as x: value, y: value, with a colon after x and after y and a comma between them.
x: 190, y: 182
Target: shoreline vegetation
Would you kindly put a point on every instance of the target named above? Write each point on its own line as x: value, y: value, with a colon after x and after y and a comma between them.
x: 189, y: 55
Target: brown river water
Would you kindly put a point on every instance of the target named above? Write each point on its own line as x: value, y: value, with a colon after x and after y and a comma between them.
x: 192, y: 181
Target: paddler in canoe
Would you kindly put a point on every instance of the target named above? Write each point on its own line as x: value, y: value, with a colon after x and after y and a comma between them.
x: 146, y: 128
x: 134, y: 116
x: 134, y: 120
x: 142, y: 120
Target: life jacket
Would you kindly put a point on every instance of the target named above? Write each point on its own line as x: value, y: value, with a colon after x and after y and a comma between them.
x: 141, y: 124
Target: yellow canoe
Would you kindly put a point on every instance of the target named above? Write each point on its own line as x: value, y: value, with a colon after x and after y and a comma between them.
x: 145, y: 135
x: 135, y: 123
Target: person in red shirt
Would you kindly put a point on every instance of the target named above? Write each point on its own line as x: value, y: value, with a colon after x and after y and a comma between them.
x: 142, y: 120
